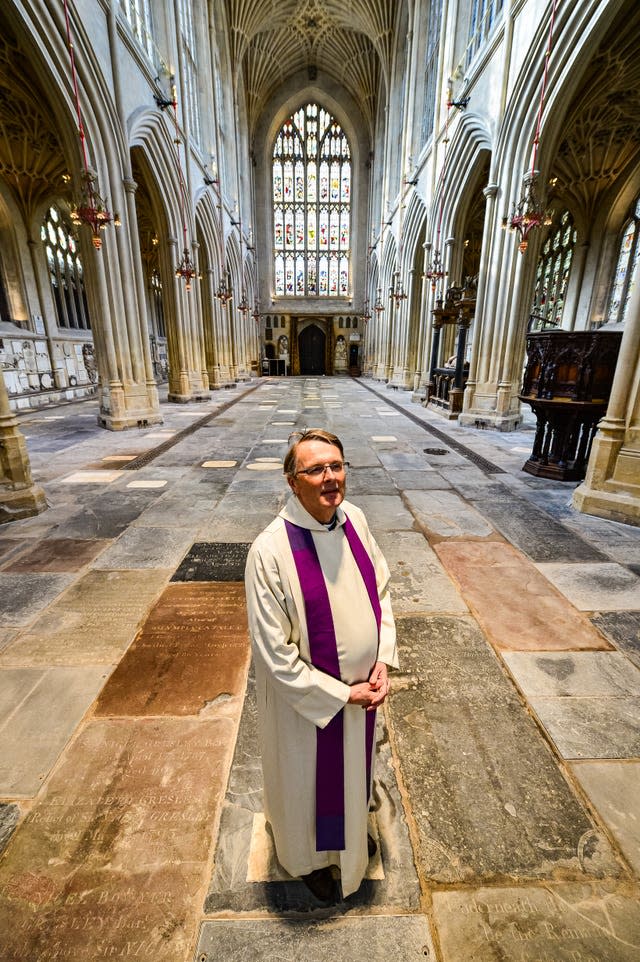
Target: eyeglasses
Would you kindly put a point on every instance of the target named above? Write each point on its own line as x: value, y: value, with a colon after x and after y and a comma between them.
x: 318, y: 470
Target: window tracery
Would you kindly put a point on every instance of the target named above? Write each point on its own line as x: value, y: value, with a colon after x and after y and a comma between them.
x: 624, y: 279
x: 484, y: 15
x: 65, y: 271
x: 311, y: 194
x: 138, y: 15
x: 431, y: 68
x: 552, y: 273
x: 190, y: 61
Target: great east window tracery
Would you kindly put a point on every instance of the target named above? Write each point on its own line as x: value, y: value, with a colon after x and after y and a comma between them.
x: 311, y: 206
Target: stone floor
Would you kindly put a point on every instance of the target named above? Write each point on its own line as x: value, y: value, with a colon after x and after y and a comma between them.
x: 507, y: 799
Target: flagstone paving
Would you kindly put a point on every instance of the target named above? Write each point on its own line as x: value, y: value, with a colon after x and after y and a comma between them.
x: 191, y: 651
x: 614, y: 788
x: 32, y: 735
x: 556, y: 923
x: 623, y: 629
x: 57, y: 554
x: 506, y: 797
x: 92, y: 624
x: 493, y: 576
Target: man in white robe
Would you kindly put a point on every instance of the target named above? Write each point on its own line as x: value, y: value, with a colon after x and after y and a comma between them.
x: 296, y: 698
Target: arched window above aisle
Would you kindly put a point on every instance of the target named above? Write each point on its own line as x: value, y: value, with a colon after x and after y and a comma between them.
x: 552, y: 274
x: 626, y: 269
x: 311, y: 193
x: 65, y: 271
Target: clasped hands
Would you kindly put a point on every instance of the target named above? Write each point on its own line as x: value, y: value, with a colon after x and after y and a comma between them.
x: 370, y: 694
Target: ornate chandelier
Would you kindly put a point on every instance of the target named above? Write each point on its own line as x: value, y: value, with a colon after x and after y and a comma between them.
x: 397, y: 292
x: 92, y: 209
x: 186, y: 269
x: 529, y: 212
x: 223, y: 291
x: 243, y: 306
x: 435, y: 271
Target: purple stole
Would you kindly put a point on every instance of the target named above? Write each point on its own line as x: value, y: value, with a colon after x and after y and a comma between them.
x: 324, y: 656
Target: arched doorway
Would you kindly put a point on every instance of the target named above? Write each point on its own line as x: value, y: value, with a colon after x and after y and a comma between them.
x: 311, y: 346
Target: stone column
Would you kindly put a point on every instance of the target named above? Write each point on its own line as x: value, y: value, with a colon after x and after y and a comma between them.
x: 179, y: 379
x: 435, y: 349
x: 611, y: 488
x: 50, y: 326
x: 130, y: 188
x: 19, y: 496
x: 481, y: 393
x: 210, y: 333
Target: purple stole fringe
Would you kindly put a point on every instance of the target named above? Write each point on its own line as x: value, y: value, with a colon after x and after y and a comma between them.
x: 324, y: 656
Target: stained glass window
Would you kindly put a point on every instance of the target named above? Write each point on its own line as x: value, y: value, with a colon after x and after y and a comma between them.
x: 311, y: 195
x: 552, y: 273
x: 65, y: 271
x: 624, y: 279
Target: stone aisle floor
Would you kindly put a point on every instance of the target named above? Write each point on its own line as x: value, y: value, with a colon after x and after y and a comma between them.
x: 507, y: 799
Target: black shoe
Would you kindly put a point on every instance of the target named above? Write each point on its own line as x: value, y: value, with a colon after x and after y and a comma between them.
x: 372, y: 848
x: 322, y: 884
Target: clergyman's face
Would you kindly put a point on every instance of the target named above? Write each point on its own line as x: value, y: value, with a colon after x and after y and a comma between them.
x: 319, y: 495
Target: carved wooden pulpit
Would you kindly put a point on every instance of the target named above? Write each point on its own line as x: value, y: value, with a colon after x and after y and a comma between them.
x: 567, y: 382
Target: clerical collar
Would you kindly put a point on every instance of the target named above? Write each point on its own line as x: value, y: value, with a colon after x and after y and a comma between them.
x: 330, y: 525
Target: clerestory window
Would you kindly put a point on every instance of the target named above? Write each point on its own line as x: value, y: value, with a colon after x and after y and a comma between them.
x: 138, y: 14
x: 484, y: 15
x: 190, y: 68
x: 626, y: 269
x: 431, y: 68
x: 311, y: 206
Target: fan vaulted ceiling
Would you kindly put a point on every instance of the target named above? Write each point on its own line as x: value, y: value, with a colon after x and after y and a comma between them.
x: 350, y: 40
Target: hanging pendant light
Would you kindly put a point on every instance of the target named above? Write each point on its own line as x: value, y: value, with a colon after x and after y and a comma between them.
x: 91, y: 209
x: 223, y: 291
x: 243, y: 306
x: 186, y: 269
x: 435, y: 271
x: 529, y: 212
x: 397, y: 292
